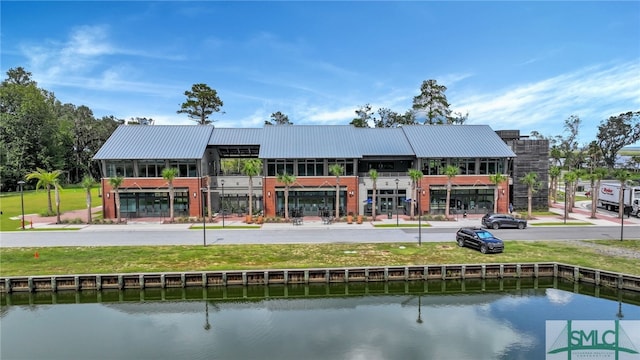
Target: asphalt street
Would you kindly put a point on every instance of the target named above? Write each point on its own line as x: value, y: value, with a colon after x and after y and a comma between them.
x: 127, y: 235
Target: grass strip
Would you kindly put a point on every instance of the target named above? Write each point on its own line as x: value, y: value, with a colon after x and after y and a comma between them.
x: 134, y: 259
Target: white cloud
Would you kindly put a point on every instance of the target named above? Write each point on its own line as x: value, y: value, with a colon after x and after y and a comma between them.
x: 592, y: 93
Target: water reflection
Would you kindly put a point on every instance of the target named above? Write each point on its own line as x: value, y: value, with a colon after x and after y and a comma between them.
x: 433, y: 320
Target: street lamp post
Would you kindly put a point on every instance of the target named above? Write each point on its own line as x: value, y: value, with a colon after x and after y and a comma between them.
x: 204, y: 218
x: 222, y: 201
x: 419, y: 217
x: 622, y: 215
x: 396, y: 201
x: 21, y: 183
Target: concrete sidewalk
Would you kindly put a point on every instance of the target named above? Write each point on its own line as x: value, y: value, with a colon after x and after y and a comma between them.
x: 578, y: 215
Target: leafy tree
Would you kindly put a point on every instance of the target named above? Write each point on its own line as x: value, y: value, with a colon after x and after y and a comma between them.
x: 416, y: 176
x: 458, y: 118
x: 364, y: 115
x: 388, y: 119
x: 116, y: 183
x: 45, y: 180
x: 496, y: 179
x: 450, y: 171
x: 433, y: 101
x: 87, y: 184
x: 251, y: 168
x: 337, y: 170
x: 170, y: 174
x: 594, y: 155
x: 202, y: 101
x: 373, y: 174
x: 18, y: 76
x: 28, y: 131
x: 569, y: 144
x: 633, y: 163
x: 278, y: 118
x: 616, y: 133
x: 287, y: 180
x: 140, y: 121
x: 531, y: 180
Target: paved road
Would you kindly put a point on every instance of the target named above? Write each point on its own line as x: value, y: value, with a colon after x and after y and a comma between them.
x: 127, y: 235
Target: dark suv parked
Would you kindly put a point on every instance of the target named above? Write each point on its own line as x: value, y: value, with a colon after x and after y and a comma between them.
x: 497, y: 221
x: 480, y: 239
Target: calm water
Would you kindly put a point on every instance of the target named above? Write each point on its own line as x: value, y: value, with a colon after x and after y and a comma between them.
x: 422, y: 320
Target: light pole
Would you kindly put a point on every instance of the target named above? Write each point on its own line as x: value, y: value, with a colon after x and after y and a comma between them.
x: 566, y: 195
x: 204, y: 223
x: 21, y: 183
x: 621, y: 215
x: 419, y: 217
x: 396, y: 201
x: 222, y: 201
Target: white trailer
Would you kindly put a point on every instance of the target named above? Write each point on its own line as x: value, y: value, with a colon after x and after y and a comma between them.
x: 609, y: 197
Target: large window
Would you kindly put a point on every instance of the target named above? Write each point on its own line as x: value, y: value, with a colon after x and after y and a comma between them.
x: 310, y: 167
x: 346, y: 165
x: 434, y: 166
x: 467, y: 166
x: 279, y: 166
x: 186, y: 168
x: 120, y: 168
x: 150, y: 168
x: 491, y: 166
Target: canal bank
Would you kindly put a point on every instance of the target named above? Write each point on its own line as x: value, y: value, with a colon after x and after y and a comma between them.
x: 54, y: 283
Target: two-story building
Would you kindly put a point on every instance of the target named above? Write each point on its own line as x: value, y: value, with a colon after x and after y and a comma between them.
x: 140, y: 153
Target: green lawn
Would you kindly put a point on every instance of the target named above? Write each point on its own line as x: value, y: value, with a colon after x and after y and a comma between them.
x: 109, y: 260
x: 35, y: 202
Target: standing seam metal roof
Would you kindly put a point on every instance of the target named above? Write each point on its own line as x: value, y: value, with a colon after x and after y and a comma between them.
x: 456, y: 141
x: 156, y: 142
x: 229, y: 136
x: 309, y: 142
x: 383, y: 142
x: 306, y: 141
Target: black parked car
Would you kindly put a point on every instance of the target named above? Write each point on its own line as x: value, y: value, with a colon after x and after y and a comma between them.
x: 480, y: 239
x: 497, y: 221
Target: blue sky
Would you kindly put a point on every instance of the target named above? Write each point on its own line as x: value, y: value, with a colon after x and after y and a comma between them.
x: 510, y: 65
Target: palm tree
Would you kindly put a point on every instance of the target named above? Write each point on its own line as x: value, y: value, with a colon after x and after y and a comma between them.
x: 170, y: 174
x: 57, y: 188
x: 570, y: 178
x: 580, y: 174
x: 287, y: 180
x: 373, y: 174
x: 496, y: 179
x: 554, y: 174
x: 45, y: 180
x: 115, y: 183
x: 596, y: 179
x: 556, y: 154
x: 415, y: 175
x: 337, y: 170
x: 251, y: 168
x: 531, y: 180
x: 87, y: 183
x: 623, y: 176
x: 450, y: 171
x: 208, y: 183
